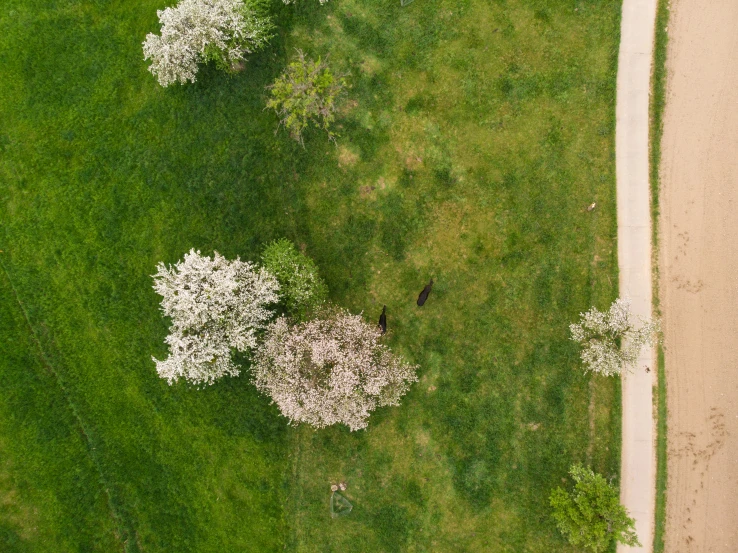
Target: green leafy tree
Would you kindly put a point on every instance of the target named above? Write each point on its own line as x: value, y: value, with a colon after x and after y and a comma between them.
x: 302, y: 290
x: 591, y: 514
x: 306, y: 93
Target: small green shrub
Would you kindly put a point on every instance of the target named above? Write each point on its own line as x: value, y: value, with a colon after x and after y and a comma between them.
x: 301, y: 288
x: 306, y: 92
x: 591, y: 515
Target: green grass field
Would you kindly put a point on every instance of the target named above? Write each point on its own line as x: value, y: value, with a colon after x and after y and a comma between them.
x: 473, y: 138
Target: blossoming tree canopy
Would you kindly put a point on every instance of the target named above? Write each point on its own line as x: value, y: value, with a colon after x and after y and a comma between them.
x: 215, y: 305
x: 610, y: 340
x: 294, y: 1
x: 196, y: 31
x: 330, y: 370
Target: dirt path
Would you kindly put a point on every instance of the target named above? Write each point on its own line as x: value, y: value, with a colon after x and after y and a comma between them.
x: 699, y: 275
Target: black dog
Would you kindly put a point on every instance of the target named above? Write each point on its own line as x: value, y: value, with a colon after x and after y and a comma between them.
x: 383, y: 320
x: 425, y: 293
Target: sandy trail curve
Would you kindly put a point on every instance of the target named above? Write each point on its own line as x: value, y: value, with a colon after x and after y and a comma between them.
x: 699, y: 275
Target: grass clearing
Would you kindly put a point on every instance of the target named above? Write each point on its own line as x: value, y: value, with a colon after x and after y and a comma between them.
x: 41, y: 445
x: 474, y: 136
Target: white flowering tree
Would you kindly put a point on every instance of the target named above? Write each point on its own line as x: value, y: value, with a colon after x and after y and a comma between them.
x: 294, y: 1
x: 215, y: 305
x: 329, y: 370
x: 610, y: 340
x: 197, y: 31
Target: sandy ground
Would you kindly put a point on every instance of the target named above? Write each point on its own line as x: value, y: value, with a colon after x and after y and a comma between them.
x: 699, y: 275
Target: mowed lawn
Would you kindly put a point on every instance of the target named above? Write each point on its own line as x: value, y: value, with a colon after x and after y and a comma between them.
x: 473, y: 138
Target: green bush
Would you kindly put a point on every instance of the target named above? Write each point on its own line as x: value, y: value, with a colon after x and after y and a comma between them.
x: 301, y: 288
x: 306, y: 92
x: 591, y: 515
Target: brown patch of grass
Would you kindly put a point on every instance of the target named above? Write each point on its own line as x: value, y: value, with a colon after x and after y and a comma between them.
x: 413, y: 162
x: 348, y: 106
x: 370, y: 65
x: 366, y: 190
x: 19, y: 515
x: 346, y: 157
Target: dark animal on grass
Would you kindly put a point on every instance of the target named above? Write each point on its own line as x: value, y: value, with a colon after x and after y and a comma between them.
x: 425, y: 293
x: 383, y: 320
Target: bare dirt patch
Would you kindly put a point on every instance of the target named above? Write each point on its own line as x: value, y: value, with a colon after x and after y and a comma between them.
x: 699, y: 267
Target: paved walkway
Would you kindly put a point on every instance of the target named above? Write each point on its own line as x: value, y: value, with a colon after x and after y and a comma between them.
x: 638, y: 468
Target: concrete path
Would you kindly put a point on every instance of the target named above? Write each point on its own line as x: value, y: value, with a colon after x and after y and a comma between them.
x: 638, y: 465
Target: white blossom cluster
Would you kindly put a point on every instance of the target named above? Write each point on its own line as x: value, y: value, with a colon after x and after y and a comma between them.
x: 329, y: 370
x: 194, y: 28
x: 293, y: 1
x: 599, y: 333
x: 215, y: 305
